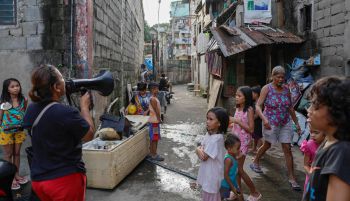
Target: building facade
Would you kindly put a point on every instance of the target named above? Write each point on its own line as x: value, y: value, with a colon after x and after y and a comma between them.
x: 81, y: 39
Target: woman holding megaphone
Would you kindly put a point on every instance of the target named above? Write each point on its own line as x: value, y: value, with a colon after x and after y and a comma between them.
x: 57, y: 132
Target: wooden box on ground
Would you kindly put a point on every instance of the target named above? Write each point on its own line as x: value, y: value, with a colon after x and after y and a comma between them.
x: 106, y: 169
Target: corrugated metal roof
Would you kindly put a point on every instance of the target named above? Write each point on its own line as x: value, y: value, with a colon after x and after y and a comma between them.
x: 233, y: 40
x: 267, y: 35
x: 230, y: 40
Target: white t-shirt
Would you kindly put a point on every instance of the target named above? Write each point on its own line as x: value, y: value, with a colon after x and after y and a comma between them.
x: 143, y: 77
x: 211, y: 171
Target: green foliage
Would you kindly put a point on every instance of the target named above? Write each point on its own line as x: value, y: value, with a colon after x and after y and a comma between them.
x: 147, y: 35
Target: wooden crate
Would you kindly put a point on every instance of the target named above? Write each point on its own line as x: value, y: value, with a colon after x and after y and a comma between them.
x: 106, y: 169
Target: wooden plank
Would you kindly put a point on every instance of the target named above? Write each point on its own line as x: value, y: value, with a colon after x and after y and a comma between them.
x: 214, y: 92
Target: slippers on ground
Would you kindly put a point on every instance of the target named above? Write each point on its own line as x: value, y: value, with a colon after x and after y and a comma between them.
x: 22, y: 180
x: 295, y: 186
x: 255, y: 168
x: 252, y: 198
x: 15, y: 185
x: 157, y: 158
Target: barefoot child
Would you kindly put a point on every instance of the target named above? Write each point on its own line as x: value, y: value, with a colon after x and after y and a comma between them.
x: 229, y: 184
x: 309, y: 149
x: 13, y: 107
x: 211, y: 152
x: 244, y: 127
x: 154, y: 122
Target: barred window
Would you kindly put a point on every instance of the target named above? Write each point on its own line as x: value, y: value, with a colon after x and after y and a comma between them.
x: 8, y: 12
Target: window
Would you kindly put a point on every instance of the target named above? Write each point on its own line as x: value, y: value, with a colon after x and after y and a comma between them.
x: 306, y: 16
x: 8, y: 12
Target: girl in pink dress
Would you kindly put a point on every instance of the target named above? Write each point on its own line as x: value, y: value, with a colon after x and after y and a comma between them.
x: 309, y: 149
x: 243, y: 127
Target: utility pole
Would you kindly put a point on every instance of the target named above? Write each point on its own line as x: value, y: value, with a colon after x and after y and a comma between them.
x: 158, y: 43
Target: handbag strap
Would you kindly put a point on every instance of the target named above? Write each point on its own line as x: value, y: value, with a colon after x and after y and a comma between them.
x: 41, y: 114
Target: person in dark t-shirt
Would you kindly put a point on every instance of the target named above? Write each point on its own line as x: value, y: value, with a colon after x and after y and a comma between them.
x: 57, y: 169
x: 330, y: 113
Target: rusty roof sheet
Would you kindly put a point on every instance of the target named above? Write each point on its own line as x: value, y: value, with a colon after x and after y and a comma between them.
x: 230, y: 41
x: 233, y: 40
x: 267, y: 35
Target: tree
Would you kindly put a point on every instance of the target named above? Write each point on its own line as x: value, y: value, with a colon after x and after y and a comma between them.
x: 147, y: 35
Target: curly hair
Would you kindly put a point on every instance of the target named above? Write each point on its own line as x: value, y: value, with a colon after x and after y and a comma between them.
x: 43, y: 78
x: 334, y: 92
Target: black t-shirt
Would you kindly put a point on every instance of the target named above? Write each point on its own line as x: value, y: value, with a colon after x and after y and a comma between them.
x: 162, y: 84
x: 333, y: 160
x: 56, y: 141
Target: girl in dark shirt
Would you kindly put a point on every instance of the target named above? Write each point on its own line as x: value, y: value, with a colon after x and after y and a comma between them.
x: 330, y: 113
x: 57, y: 170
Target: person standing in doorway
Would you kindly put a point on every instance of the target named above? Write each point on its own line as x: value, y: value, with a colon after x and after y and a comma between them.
x: 276, y: 98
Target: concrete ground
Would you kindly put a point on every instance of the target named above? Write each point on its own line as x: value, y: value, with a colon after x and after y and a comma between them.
x: 183, y: 128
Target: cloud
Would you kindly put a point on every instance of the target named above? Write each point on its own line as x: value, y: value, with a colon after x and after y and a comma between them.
x: 151, y: 11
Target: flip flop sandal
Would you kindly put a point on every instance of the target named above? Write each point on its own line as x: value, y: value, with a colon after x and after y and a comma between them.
x: 15, y: 186
x: 252, y: 198
x: 295, y: 186
x: 22, y: 180
x: 255, y: 168
x: 157, y: 158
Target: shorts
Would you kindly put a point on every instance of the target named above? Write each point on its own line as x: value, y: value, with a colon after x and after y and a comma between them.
x: 12, y: 138
x: 281, y: 134
x: 154, y: 131
x: 225, y: 192
x: 70, y: 187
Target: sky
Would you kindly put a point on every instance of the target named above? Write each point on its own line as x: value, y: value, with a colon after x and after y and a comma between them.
x: 151, y: 11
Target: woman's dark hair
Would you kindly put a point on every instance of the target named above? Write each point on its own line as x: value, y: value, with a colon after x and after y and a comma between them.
x: 141, y: 86
x: 256, y: 89
x: 43, y: 78
x: 231, y: 140
x: 222, y: 116
x: 334, y: 92
x: 5, y: 95
x: 248, y: 95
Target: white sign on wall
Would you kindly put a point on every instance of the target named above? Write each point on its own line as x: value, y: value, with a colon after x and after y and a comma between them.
x: 256, y: 11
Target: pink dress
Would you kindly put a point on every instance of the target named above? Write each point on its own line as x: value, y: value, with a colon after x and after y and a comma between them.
x: 309, y: 148
x: 243, y: 135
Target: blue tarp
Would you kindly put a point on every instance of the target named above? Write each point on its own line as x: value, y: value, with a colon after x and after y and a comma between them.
x: 149, y: 64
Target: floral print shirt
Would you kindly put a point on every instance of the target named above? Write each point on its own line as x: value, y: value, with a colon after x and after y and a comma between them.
x: 277, y: 106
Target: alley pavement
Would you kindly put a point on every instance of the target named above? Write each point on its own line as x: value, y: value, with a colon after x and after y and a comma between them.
x: 183, y: 128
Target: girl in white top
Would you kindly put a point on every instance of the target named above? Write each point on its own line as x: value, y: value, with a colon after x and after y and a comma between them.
x: 211, y: 152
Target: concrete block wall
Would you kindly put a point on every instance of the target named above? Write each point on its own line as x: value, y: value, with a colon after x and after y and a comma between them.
x: 329, y: 27
x: 118, y: 40
x: 38, y: 37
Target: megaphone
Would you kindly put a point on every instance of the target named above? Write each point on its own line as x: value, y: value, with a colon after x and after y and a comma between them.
x: 102, y: 83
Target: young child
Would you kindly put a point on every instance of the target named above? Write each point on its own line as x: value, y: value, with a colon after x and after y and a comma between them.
x: 211, y: 152
x: 154, y: 121
x: 229, y: 184
x: 309, y: 149
x: 13, y: 107
x: 329, y: 113
x: 257, y: 134
x: 244, y: 127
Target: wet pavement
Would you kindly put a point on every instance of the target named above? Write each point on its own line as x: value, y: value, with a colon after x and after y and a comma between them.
x: 183, y: 128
